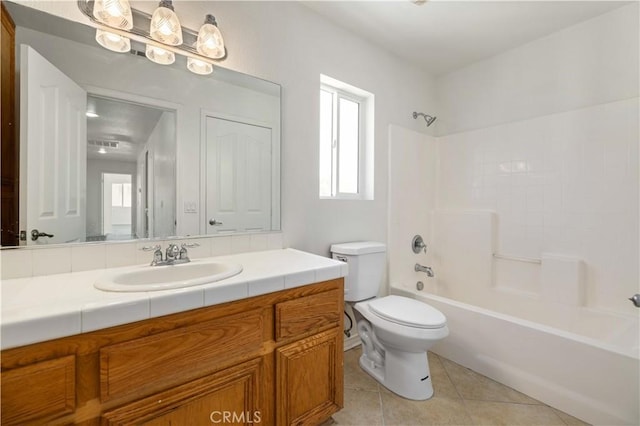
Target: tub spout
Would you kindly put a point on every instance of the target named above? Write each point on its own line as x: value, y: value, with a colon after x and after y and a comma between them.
x: 636, y: 300
x: 426, y: 269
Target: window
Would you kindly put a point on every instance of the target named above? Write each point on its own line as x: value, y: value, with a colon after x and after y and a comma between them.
x: 120, y: 195
x: 346, y: 145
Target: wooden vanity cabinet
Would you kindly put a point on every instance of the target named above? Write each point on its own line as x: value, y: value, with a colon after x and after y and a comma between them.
x: 275, y: 359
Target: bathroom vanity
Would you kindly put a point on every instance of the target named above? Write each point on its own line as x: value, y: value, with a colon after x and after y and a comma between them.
x: 271, y: 358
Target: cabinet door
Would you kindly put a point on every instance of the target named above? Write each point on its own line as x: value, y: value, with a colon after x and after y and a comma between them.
x: 232, y: 396
x: 309, y: 379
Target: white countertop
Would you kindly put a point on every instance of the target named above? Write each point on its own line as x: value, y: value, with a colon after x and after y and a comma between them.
x: 42, y: 308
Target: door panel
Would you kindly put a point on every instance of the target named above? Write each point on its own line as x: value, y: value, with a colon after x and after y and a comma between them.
x: 238, y: 185
x: 309, y: 379
x: 53, y: 142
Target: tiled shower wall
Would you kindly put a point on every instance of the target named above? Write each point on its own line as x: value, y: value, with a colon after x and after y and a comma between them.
x: 546, y: 135
x: 564, y: 183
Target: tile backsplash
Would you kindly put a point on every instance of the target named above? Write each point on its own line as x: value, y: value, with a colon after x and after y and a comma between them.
x: 41, y: 260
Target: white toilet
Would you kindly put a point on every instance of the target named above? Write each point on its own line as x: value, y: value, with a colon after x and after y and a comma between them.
x: 396, y: 331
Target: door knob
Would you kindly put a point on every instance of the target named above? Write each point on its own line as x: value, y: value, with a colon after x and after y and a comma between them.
x: 35, y: 234
x: 214, y: 222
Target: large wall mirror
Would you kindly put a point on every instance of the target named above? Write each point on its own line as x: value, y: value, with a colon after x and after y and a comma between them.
x: 115, y: 147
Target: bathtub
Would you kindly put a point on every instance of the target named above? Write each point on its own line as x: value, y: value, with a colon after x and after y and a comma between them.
x: 592, y: 374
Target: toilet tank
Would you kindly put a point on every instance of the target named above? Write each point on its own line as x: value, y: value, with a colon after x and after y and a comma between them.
x: 366, y: 260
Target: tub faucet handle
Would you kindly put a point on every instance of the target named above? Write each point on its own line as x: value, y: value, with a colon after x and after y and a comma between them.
x: 417, y: 244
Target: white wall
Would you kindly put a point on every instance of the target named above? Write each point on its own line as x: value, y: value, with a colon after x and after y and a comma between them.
x: 547, y: 136
x: 590, y: 63
x: 287, y: 43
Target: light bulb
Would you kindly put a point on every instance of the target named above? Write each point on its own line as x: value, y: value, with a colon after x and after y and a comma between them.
x: 159, y: 55
x: 113, y: 42
x: 165, y: 25
x: 210, y: 42
x: 199, y: 67
x: 115, y: 13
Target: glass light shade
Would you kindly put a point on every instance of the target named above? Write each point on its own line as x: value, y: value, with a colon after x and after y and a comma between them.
x: 115, y: 13
x: 199, y: 67
x: 165, y: 25
x: 113, y: 42
x: 160, y: 55
x: 210, y: 42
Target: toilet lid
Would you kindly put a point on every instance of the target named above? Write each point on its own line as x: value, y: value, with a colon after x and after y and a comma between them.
x: 408, y: 312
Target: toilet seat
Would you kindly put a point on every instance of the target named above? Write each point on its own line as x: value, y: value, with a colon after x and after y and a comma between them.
x: 407, y: 312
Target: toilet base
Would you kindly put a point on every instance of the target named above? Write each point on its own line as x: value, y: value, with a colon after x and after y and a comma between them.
x: 403, y: 373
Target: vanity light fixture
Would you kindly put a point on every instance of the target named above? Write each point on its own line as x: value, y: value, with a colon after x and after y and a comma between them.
x: 159, y: 55
x: 165, y: 26
x: 113, y: 42
x: 197, y: 66
x: 117, y: 23
x: 114, y: 13
x: 117, y: 14
x: 210, y: 42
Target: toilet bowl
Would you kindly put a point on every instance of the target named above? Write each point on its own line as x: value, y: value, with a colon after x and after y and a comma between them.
x: 396, y: 331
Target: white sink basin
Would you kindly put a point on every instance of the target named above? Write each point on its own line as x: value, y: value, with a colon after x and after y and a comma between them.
x: 152, y: 278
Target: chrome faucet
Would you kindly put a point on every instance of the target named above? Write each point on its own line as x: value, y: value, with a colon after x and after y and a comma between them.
x: 157, y: 253
x: 426, y: 269
x: 173, y: 254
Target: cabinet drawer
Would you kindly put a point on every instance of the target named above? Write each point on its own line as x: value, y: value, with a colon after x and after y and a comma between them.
x: 156, y: 362
x: 39, y: 390
x: 308, y: 314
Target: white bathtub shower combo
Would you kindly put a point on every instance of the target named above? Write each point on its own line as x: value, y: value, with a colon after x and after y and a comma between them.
x: 396, y: 331
x: 525, y: 323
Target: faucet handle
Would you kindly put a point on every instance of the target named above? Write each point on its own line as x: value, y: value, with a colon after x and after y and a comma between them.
x: 157, y: 253
x: 183, y: 251
x: 190, y: 245
x: 172, y: 252
x: 417, y: 244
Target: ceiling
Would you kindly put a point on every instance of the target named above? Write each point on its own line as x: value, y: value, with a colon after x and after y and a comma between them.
x: 442, y: 36
x: 121, y: 128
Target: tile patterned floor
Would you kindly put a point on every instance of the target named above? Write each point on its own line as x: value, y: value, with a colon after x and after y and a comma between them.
x: 462, y: 397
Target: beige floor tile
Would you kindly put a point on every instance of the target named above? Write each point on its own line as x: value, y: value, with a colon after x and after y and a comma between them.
x: 360, y: 408
x: 568, y: 419
x: 435, y: 411
x: 510, y: 414
x: 351, y: 358
x: 473, y: 386
x: 461, y: 397
x: 354, y: 376
x: 442, y: 385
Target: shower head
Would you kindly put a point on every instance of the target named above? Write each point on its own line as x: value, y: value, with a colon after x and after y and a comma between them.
x: 428, y: 118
